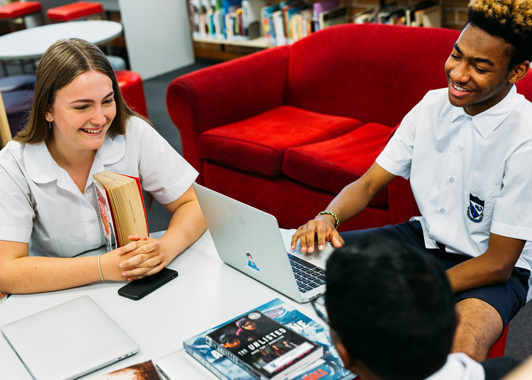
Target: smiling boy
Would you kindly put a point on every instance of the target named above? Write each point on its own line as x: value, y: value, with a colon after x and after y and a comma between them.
x: 467, y: 150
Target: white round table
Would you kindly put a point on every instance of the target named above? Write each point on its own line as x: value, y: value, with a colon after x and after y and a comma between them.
x: 33, y: 42
x: 206, y: 293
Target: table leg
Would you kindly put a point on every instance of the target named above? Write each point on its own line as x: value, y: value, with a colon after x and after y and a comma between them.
x: 4, y: 67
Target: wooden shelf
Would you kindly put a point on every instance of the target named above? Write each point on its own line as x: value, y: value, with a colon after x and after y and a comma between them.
x: 260, y: 42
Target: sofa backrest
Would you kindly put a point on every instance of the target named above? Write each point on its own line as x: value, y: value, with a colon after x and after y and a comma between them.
x: 371, y: 72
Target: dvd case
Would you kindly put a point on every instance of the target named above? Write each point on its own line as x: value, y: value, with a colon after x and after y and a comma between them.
x: 263, y: 346
x: 329, y: 367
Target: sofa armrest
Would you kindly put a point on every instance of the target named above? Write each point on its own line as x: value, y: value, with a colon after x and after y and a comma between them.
x: 226, y: 93
x: 401, y: 202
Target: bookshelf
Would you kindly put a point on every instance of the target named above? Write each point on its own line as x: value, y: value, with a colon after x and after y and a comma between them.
x: 259, y: 43
x: 228, y: 27
x: 444, y: 13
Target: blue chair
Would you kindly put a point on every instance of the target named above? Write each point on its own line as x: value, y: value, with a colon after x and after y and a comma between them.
x: 17, y: 94
x: 18, y: 105
x: 17, y: 82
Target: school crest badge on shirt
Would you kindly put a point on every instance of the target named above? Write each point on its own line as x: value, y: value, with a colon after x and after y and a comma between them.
x: 475, y: 211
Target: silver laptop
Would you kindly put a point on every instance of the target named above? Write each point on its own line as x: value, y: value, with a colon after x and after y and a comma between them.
x: 249, y: 240
x: 69, y: 340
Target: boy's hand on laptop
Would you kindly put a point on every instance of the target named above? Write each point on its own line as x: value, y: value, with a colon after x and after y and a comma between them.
x: 320, y: 229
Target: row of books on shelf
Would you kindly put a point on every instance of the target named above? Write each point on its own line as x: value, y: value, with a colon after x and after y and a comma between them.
x: 427, y: 13
x: 235, y: 20
x: 281, y: 24
x: 272, y: 342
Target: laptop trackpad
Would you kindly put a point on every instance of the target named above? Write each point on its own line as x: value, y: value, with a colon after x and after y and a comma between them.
x: 317, y: 258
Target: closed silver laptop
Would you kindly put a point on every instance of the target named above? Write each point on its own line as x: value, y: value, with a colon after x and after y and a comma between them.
x: 69, y: 340
x: 249, y: 240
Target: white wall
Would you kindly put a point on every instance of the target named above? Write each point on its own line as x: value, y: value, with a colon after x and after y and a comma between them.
x: 157, y: 35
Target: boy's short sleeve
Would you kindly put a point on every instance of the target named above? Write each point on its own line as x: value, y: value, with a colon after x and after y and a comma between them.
x: 396, y: 158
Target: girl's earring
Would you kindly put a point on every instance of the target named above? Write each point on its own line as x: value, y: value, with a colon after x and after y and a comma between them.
x: 49, y: 123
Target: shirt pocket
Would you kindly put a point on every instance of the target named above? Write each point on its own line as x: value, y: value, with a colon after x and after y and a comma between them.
x: 479, y: 205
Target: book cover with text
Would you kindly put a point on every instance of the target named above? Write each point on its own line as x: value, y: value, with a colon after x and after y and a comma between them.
x: 329, y: 367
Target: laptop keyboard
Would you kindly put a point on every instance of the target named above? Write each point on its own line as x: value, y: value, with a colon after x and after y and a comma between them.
x: 308, y: 276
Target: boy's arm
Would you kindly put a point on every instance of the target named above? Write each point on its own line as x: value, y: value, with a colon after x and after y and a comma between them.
x: 492, y: 267
x: 351, y: 201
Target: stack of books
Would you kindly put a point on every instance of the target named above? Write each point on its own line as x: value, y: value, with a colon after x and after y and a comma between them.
x: 425, y: 13
x: 292, y: 20
x: 273, y: 341
x: 231, y: 20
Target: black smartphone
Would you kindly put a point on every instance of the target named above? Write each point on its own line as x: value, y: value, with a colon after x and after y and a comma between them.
x: 138, y: 289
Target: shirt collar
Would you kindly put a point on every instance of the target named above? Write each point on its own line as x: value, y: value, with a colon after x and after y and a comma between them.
x: 42, y: 168
x: 486, y: 122
x: 112, y: 151
x: 39, y: 163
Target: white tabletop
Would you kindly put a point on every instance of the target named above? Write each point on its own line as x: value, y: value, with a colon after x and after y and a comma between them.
x: 206, y: 293
x: 33, y: 42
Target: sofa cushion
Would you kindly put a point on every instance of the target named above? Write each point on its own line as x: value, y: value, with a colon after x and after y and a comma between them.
x: 258, y: 144
x: 333, y: 164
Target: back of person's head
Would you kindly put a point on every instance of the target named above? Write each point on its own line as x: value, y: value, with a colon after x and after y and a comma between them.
x: 392, y: 308
x: 510, y: 20
x: 62, y: 62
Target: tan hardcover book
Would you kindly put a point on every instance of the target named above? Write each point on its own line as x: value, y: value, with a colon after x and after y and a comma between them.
x: 121, y: 207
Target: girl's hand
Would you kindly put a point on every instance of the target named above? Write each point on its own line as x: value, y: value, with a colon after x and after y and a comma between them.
x: 140, y: 258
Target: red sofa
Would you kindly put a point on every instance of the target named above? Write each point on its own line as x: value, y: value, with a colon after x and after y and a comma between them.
x: 287, y: 128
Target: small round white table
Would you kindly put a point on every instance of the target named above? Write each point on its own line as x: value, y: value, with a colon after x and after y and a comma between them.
x: 33, y: 42
x: 206, y: 293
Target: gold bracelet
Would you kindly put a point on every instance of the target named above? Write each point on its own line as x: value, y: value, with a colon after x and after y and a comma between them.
x: 336, y: 220
x: 100, y: 269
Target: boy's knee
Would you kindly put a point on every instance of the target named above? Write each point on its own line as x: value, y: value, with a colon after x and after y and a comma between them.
x: 479, y: 327
x: 471, y: 345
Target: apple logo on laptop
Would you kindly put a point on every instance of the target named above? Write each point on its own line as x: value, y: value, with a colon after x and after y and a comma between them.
x: 230, y: 215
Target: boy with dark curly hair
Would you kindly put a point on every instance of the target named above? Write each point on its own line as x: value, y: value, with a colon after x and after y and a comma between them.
x: 467, y: 150
x: 401, y: 326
